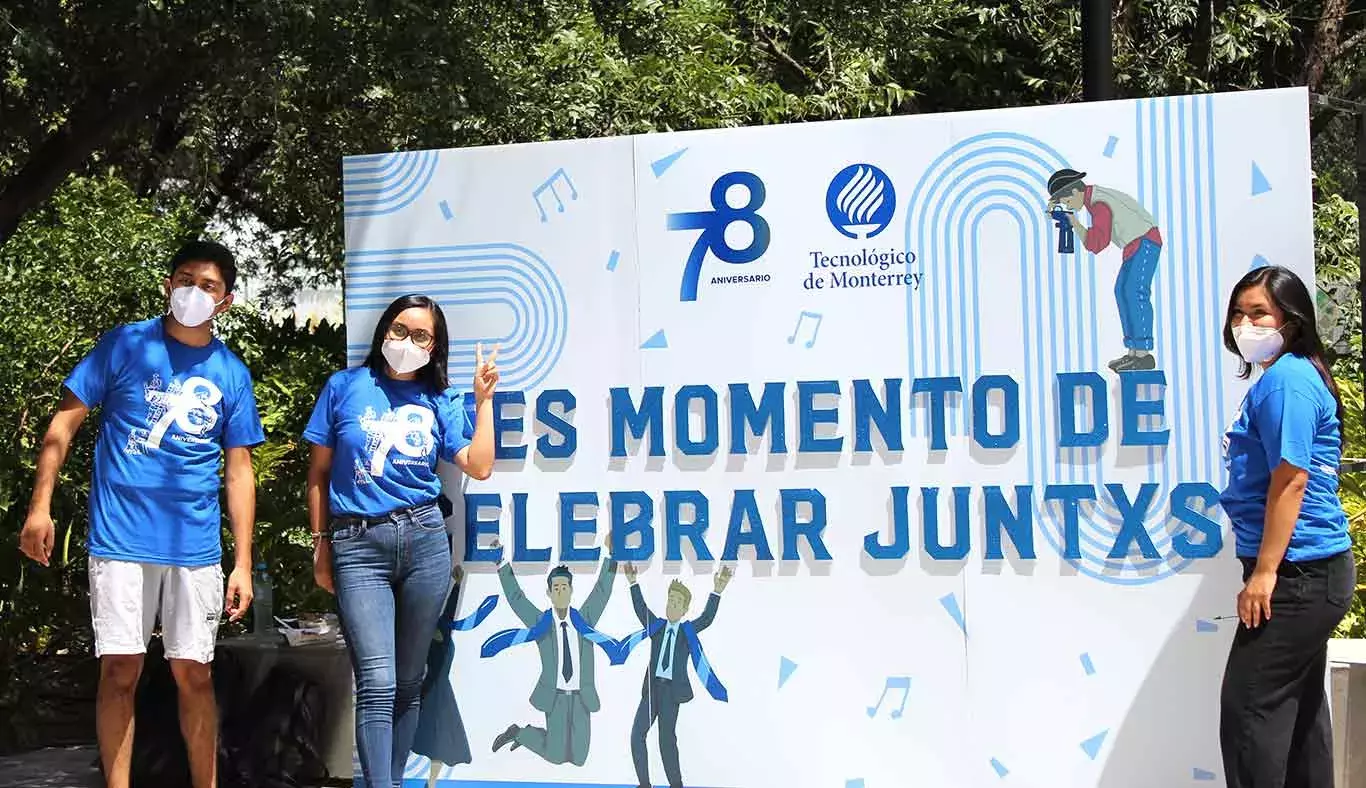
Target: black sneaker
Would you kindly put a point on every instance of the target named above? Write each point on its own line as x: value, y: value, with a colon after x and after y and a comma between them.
x: 1139, y: 363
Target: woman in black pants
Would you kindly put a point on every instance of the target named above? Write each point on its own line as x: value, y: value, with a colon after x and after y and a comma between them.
x: 1282, y: 454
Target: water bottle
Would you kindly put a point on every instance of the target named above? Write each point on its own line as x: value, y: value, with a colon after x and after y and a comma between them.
x: 263, y: 606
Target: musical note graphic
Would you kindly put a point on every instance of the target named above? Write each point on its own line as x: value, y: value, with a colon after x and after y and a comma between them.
x: 550, y: 184
x: 817, y: 317
x: 902, y: 683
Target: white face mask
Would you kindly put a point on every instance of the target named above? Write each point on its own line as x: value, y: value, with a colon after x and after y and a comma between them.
x: 404, y: 356
x: 1258, y: 344
x: 192, y: 306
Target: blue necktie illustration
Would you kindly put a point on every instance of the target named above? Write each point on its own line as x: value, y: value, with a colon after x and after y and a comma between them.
x: 566, y: 669
x: 667, y: 657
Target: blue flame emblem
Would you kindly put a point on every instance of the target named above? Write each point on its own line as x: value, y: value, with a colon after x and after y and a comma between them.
x: 860, y: 201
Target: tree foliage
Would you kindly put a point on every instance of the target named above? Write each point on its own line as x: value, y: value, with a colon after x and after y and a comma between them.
x: 245, y: 109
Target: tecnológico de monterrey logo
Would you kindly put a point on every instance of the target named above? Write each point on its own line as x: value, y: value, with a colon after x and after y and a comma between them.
x: 860, y: 201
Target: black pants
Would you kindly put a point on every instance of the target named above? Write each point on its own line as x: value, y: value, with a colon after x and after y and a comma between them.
x: 1274, y: 725
x: 662, y: 703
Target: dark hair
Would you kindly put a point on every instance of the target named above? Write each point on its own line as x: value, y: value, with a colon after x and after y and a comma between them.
x: 434, y: 374
x: 559, y: 571
x: 1300, y: 330
x: 208, y: 252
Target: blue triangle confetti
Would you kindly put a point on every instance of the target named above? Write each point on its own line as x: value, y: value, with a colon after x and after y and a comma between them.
x: 1092, y: 745
x: 950, y: 603
x: 1202, y: 775
x: 1258, y: 262
x: 1087, y: 665
x: 659, y: 166
x: 855, y: 783
x: 785, y: 669
x: 656, y: 342
x: 1001, y: 770
x: 1260, y: 185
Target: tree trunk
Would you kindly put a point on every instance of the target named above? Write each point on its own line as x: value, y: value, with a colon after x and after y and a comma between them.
x: 88, y: 129
x: 171, y: 130
x: 1327, y: 33
x: 229, y: 178
x: 107, y: 108
x: 1204, y: 37
x: 1126, y: 21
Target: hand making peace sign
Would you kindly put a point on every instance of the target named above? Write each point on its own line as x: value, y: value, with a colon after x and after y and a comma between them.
x: 485, y: 374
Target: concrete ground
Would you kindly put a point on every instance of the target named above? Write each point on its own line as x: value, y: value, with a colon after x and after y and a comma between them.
x: 61, y: 767
x: 55, y: 767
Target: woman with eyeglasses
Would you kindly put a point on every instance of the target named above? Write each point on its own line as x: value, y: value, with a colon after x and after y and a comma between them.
x: 380, y: 539
x: 1282, y: 454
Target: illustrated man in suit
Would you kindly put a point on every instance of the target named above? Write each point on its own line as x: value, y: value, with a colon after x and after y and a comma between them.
x: 566, y: 691
x: 673, y: 642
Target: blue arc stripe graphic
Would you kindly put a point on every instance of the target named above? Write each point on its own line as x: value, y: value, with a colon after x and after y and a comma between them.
x: 1147, y: 179
x: 1216, y: 369
x: 388, y: 181
x: 415, y: 274
x: 954, y: 198
x: 408, y: 180
x: 1007, y: 173
x: 1205, y: 305
x: 1185, y: 461
x: 505, y: 276
x: 390, y: 186
x: 1167, y: 272
x: 367, y: 158
x: 517, y: 341
x: 370, y: 164
x: 387, y: 170
x: 518, y: 350
x: 944, y: 186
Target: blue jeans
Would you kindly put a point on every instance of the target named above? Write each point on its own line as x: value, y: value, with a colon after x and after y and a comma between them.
x: 391, y: 574
x: 1134, y: 295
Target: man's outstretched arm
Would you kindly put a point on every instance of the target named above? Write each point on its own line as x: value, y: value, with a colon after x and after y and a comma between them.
x: 513, y: 593
x: 39, y: 532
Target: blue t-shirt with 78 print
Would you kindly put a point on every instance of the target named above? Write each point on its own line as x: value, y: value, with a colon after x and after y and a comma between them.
x: 386, y: 436
x: 169, y: 411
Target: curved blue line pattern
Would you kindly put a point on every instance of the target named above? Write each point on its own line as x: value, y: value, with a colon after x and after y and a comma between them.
x: 386, y: 183
x: 503, y: 275
x: 1007, y: 173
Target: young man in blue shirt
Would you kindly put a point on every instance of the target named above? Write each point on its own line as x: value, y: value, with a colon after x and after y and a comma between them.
x: 176, y: 404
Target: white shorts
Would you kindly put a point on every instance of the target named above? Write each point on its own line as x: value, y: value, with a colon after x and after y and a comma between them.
x: 126, y: 598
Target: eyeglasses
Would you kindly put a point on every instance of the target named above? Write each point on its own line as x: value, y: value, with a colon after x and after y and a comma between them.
x: 420, y: 336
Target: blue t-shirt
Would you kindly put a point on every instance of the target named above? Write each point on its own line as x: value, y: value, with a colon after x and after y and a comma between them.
x: 1288, y: 415
x: 169, y: 411
x: 386, y: 436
